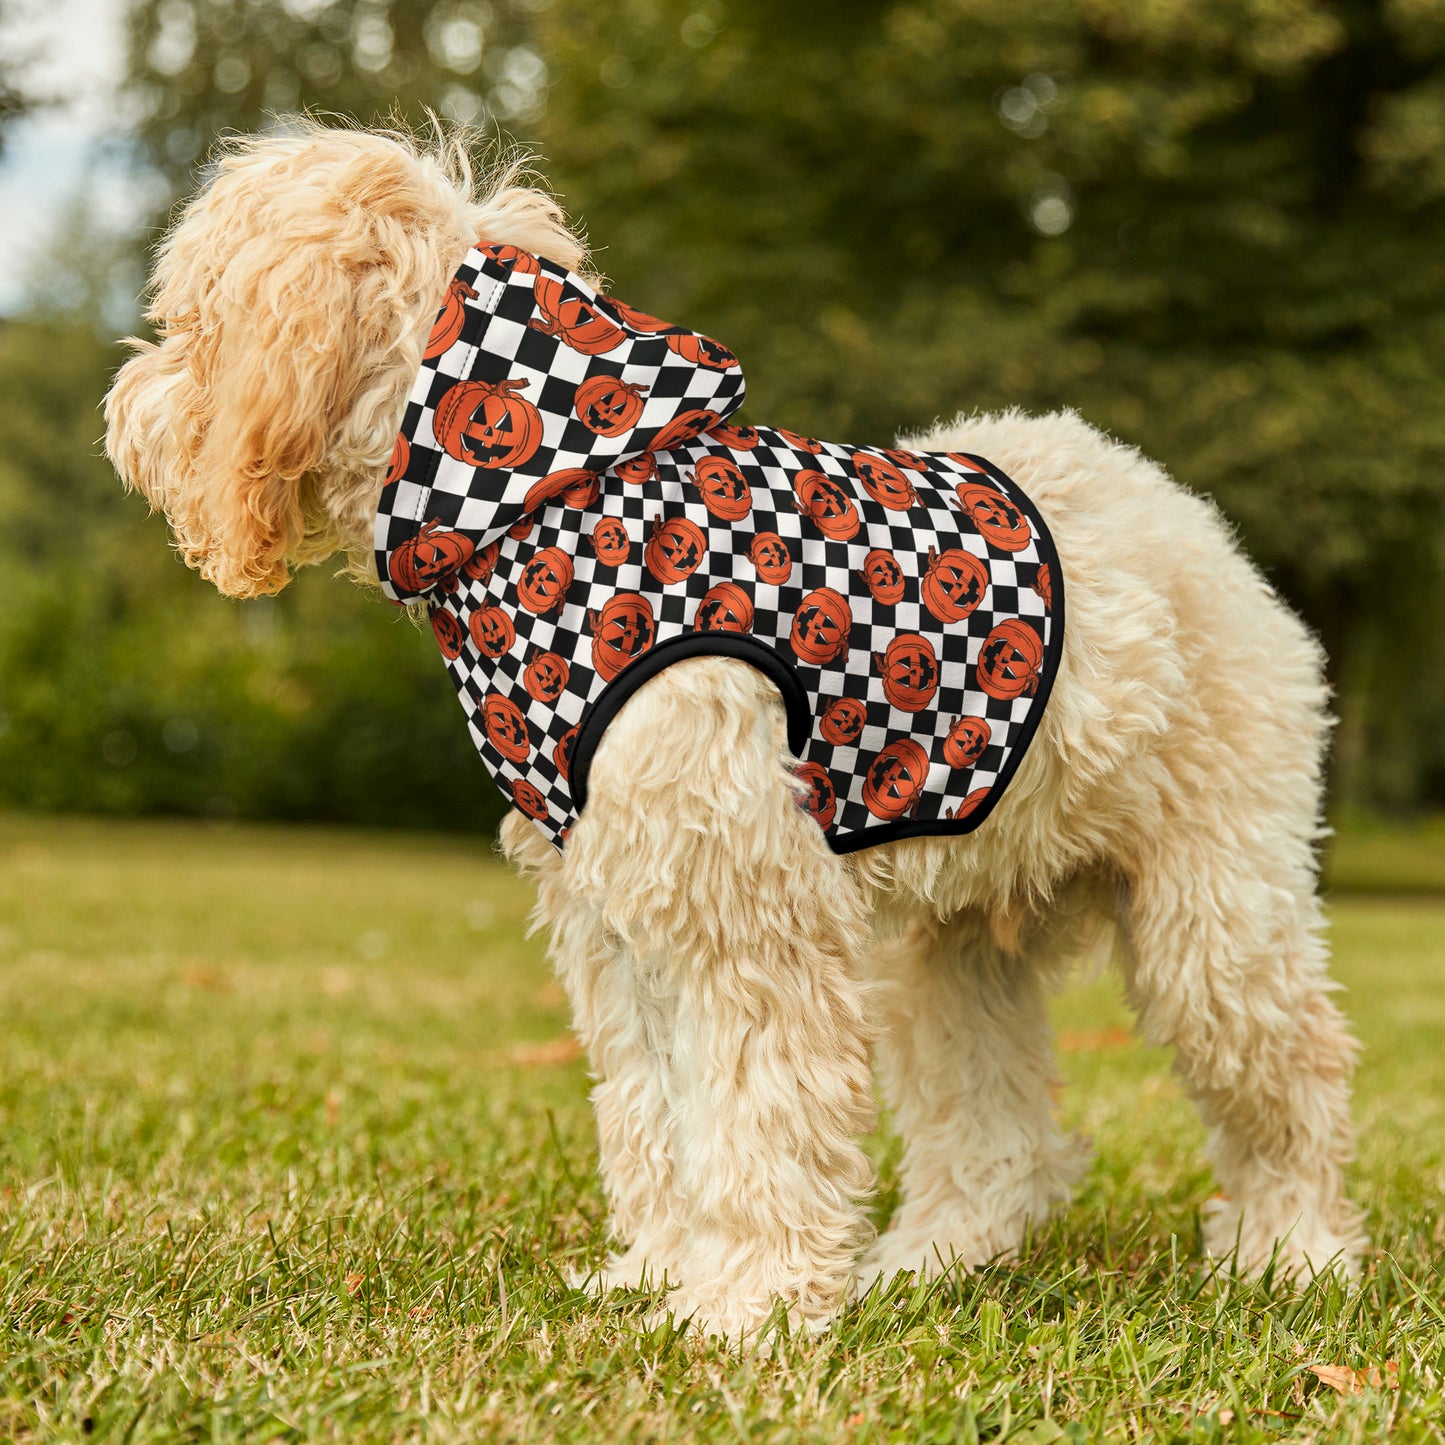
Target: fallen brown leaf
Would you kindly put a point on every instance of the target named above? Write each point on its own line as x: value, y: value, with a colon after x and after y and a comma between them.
x: 354, y: 1283
x: 551, y: 1051
x: 1083, y: 1041
x: 1355, y: 1382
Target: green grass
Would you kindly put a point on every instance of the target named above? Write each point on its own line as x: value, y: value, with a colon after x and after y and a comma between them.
x: 291, y: 1148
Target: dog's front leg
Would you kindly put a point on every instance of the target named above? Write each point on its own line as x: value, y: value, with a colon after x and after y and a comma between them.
x: 741, y: 931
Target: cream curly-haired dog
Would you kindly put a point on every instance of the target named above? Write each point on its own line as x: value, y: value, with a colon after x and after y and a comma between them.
x: 730, y: 982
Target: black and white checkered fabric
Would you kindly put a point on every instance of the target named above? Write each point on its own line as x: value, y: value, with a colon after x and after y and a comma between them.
x: 572, y: 504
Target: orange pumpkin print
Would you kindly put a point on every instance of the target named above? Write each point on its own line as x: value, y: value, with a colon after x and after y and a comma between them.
x: 954, y: 583
x: 483, y: 562
x: 573, y: 319
x: 529, y: 799
x: 422, y: 561
x: 999, y: 522
x: 611, y: 542
x: 1043, y: 584
x: 800, y: 443
x: 485, y: 424
x: 966, y: 740
x: 820, y: 802
x: 562, y: 753
x: 843, y: 721
x: 821, y: 627
x: 400, y: 460
x: 575, y: 486
x: 545, y: 675
x: 1008, y: 665
x: 725, y: 490
x: 637, y: 470
x: 883, y: 577
x: 895, y: 780
x: 966, y: 462
x: 608, y: 405
x: 701, y: 350
x: 448, y: 631
x: 771, y: 558
x: 450, y: 319
x: 909, y: 667
x: 506, y: 727
x: 884, y: 482
x: 675, y: 549
x: 520, y: 531
x: 738, y: 438
x: 636, y: 320
x: 684, y: 428
x: 826, y: 505
x: 724, y: 608
x: 901, y: 458
x: 524, y: 263
x: 969, y: 805
x: 545, y: 579
x: 492, y: 631
x: 622, y: 630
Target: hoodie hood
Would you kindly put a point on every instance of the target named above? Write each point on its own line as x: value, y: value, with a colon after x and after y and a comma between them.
x: 532, y: 386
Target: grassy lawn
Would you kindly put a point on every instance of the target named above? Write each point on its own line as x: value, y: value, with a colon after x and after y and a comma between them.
x: 293, y: 1145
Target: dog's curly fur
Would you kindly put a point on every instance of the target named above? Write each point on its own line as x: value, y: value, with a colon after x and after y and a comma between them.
x: 729, y: 975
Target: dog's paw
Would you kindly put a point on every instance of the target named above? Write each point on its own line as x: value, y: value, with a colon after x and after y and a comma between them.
x: 751, y: 1324
x: 634, y: 1270
x: 1297, y: 1245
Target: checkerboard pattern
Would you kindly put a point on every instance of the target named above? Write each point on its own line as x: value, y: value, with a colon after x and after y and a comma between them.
x: 571, y: 502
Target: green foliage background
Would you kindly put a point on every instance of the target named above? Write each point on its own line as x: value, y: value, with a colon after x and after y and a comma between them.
x: 1215, y: 227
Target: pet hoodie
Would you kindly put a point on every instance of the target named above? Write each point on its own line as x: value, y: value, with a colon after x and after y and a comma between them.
x: 571, y: 503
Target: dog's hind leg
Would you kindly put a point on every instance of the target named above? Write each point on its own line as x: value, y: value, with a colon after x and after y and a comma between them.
x: 966, y: 1062
x: 743, y: 932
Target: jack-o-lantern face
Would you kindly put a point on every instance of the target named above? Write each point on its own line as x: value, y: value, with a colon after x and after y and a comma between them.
x: 492, y: 631
x: 1043, y: 584
x: 684, y: 428
x: 820, y: 802
x: 800, y: 443
x: 909, y: 668
x: 883, y: 577
x: 967, y: 463
x: 901, y: 458
x: 450, y: 319
x: 675, y: 549
x: 520, y: 531
x: 482, y: 563
x: 562, y: 753
x: 738, y: 438
x: 826, y: 505
x: 969, y: 806
x: 529, y: 799
x: 895, y: 780
x: 400, y: 460
x: 575, y: 486
x: 608, y: 405
x: 725, y: 490
x: 842, y: 721
x: 966, y: 740
x: 622, y: 630
x: 884, y: 482
x: 524, y: 263
x: 611, y: 542
x: 1008, y: 665
x: 545, y: 676
x: 505, y: 727
x: 434, y: 554
x: 998, y: 521
x: 574, y: 319
x: 954, y: 583
x: 484, y: 424
x: 702, y: 350
x: 821, y: 626
x: 770, y: 557
x: 637, y: 470
x: 724, y: 608
x: 448, y: 630
x: 545, y: 580
x: 636, y: 320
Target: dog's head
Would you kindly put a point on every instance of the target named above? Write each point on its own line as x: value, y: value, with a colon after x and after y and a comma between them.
x: 292, y: 300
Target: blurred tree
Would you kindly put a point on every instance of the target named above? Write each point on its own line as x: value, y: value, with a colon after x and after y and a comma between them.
x: 14, y: 99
